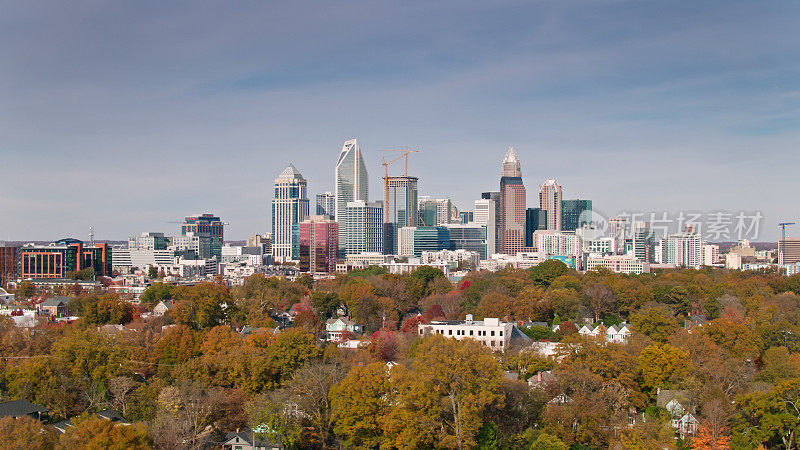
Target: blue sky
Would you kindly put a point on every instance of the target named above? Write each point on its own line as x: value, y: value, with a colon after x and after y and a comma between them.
x: 129, y: 115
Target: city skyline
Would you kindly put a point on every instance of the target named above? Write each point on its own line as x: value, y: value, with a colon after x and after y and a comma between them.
x: 104, y: 98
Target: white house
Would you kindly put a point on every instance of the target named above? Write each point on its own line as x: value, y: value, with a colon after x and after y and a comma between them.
x: 489, y: 331
x: 686, y: 425
x: 614, y: 334
x: 162, y: 307
x: 610, y: 334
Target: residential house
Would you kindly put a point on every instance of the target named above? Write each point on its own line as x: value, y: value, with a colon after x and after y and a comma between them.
x: 337, y: 328
x: 618, y: 334
x: 694, y: 321
x: 680, y: 406
x: 53, y: 307
x: 542, y: 378
x: 107, y: 414
x: 610, y: 334
x: 162, y: 307
x: 687, y: 425
x: 20, y: 408
x: 244, y: 439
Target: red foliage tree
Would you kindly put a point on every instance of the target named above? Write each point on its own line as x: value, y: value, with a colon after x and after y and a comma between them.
x: 410, y: 325
x: 435, y: 311
x: 383, y: 345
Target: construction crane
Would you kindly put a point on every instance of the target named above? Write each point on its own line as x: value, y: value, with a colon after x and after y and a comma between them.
x: 405, y: 152
x: 782, y: 246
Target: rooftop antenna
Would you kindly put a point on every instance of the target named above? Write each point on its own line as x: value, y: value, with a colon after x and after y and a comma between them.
x: 91, y: 236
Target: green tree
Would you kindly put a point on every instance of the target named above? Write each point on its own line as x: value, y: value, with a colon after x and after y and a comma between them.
x: 202, y: 306
x: 771, y: 418
x: 544, y: 273
x: 92, y: 356
x: 107, y: 309
x: 325, y: 303
x: 367, y: 272
x: 548, y: 442
x: 657, y: 323
x: 152, y: 272
x: 487, y: 437
x: 566, y: 302
x: 155, y: 293
x: 778, y: 366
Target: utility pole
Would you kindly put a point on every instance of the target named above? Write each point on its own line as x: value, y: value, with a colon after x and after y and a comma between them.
x: 782, y: 245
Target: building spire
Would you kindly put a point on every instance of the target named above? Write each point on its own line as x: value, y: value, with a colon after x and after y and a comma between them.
x: 511, y: 167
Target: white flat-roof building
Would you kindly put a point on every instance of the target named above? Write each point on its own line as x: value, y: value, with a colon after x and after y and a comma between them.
x: 499, y: 261
x: 453, y: 256
x: 367, y: 259
x: 133, y: 257
x: 490, y: 332
x: 618, y: 264
x: 403, y: 268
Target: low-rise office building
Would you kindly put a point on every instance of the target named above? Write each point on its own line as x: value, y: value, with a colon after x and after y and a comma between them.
x: 61, y: 257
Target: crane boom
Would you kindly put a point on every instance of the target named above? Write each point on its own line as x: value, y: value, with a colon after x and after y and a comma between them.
x: 404, y: 154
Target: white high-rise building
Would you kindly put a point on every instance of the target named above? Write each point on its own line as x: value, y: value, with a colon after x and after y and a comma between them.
x: 710, y: 254
x: 486, y: 214
x: 364, y: 227
x: 550, y: 201
x: 682, y: 249
x: 405, y: 241
x: 326, y: 205
x: 617, y: 231
x: 350, y: 183
x: 289, y: 208
x: 551, y: 243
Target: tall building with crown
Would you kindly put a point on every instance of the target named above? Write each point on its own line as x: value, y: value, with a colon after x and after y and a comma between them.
x: 512, y: 206
x: 289, y: 208
x: 550, y: 201
x: 350, y: 183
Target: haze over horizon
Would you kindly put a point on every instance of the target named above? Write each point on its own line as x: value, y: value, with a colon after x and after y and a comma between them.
x: 125, y: 117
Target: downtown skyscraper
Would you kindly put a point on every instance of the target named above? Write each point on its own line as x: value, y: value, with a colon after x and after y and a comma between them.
x: 550, y: 201
x: 512, y: 206
x: 400, y: 209
x: 350, y: 183
x: 289, y: 208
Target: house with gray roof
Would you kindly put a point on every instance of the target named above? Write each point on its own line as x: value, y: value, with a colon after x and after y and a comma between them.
x: 20, y: 408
